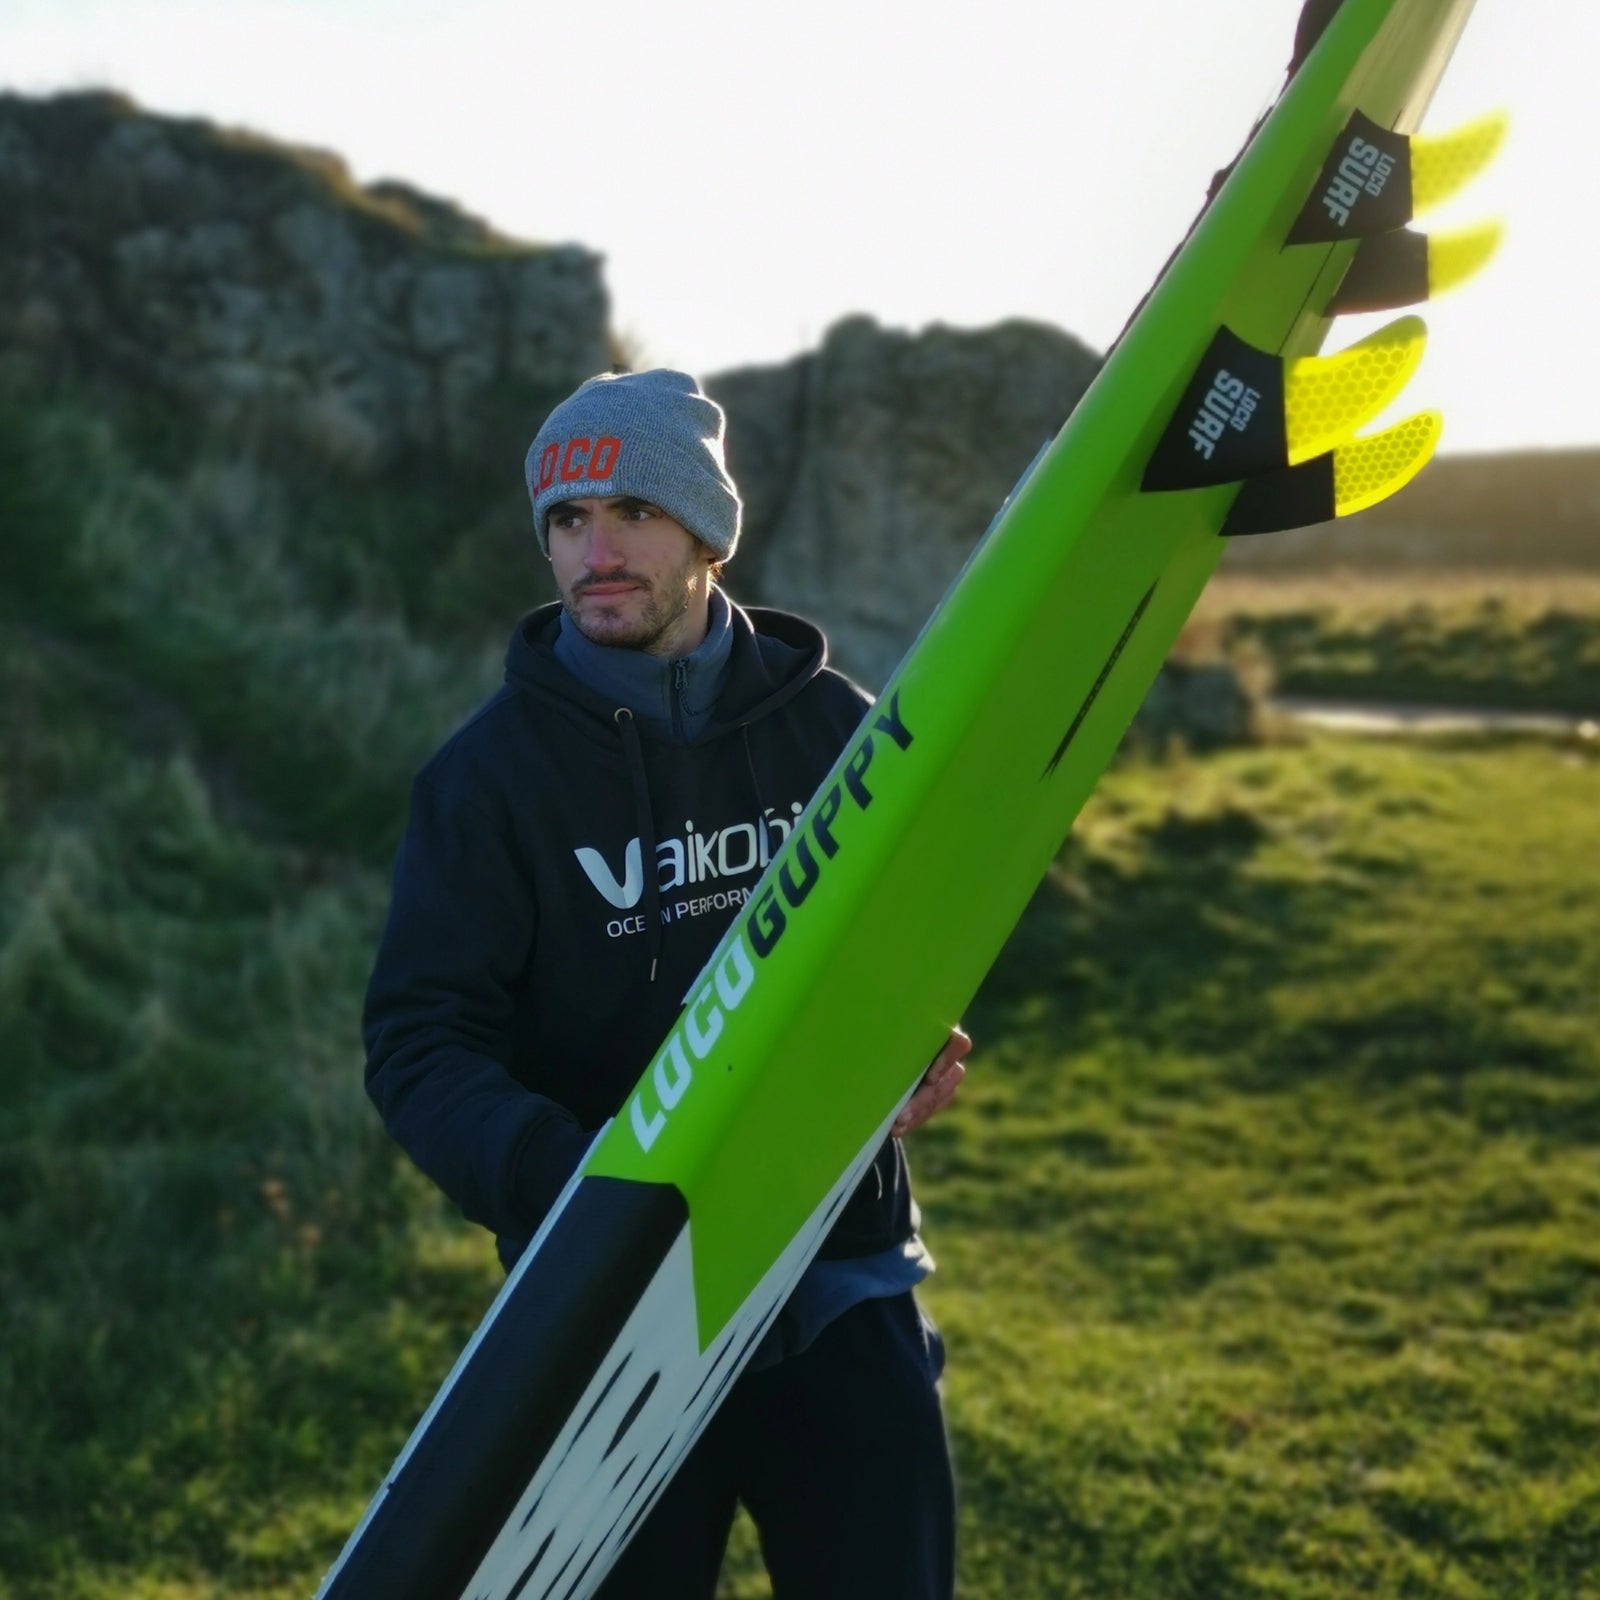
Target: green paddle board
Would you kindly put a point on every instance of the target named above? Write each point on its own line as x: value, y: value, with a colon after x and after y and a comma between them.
x: 704, y: 1199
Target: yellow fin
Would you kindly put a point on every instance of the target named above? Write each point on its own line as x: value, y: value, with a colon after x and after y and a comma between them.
x: 1455, y: 257
x: 1327, y: 398
x: 1443, y: 163
x: 1368, y: 470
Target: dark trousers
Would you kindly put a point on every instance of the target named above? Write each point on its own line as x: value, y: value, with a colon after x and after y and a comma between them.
x: 838, y: 1454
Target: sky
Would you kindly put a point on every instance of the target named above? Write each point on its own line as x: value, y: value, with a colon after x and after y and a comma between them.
x: 753, y: 170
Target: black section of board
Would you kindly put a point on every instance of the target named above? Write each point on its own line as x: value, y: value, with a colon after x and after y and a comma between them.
x: 1364, y: 187
x: 1296, y: 497
x: 1230, y: 423
x: 1386, y: 272
x: 501, y: 1416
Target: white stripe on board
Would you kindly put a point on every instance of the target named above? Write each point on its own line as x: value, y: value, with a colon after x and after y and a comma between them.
x: 648, y: 1402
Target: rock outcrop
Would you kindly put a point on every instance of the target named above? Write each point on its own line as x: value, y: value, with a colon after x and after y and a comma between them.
x: 259, y: 284
x: 268, y: 299
x: 871, y: 467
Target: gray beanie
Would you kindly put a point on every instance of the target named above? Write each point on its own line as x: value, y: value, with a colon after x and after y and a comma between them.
x: 651, y: 434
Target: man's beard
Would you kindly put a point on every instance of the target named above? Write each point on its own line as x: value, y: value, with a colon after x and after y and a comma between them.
x: 656, y: 608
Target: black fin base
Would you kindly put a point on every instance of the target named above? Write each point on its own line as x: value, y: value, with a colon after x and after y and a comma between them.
x: 1386, y: 272
x: 1295, y: 497
x: 1230, y: 423
x: 1364, y: 187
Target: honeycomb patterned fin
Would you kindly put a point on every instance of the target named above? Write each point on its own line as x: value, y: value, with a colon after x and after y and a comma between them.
x: 1368, y: 470
x: 1443, y: 164
x: 1453, y: 258
x: 1404, y: 268
x: 1326, y: 399
x: 1337, y: 483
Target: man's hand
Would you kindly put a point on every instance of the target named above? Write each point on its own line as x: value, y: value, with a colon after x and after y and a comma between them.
x: 938, y: 1086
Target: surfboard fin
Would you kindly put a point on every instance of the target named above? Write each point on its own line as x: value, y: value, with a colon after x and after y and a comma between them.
x: 1247, y: 412
x: 1404, y: 268
x: 1339, y: 482
x: 1327, y: 398
x: 1375, y: 180
x: 1445, y: 163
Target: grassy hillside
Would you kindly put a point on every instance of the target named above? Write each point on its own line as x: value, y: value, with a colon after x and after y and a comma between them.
x: 1270, y: 1226
x: 317, y: 633
x: 1267, y: 1221
x: 1460, y: 637
x: 218, y: 676
x: 1267, y: 1225
x: 200, y: 1229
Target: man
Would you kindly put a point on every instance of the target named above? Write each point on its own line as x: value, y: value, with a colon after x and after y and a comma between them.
x: 651, y: 735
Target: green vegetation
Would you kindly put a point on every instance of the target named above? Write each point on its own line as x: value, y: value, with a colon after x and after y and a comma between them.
x: 1479, y: 641
x: 217, y: 1288
x: 318, y: 633
x: 222, y: 1285
x: 1486, y: 656
x: 1270, y: 1226
x: 1267, y: 1221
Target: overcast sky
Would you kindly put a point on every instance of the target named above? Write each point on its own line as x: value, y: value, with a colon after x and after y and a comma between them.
x: 751, y: 172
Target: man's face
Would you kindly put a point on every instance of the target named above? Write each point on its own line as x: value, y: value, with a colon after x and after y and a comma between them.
x: 629, y: 575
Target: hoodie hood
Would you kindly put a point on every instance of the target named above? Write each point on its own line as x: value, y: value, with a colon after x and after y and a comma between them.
x: 774, y: 656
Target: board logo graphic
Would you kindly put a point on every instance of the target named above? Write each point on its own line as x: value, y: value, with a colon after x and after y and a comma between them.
x: 691, y: 1041
x: 1229, y: 403
x: 802, y: 865
x: 800, y: 868
x: 1364, y: 170
x: 594, y: 459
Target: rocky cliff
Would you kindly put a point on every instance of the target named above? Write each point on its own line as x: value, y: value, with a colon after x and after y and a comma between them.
x: 871, y: 467
x: 288, y: 316
x: 260, y: 285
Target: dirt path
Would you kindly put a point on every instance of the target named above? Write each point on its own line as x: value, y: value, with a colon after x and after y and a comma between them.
x: 1358, y: 716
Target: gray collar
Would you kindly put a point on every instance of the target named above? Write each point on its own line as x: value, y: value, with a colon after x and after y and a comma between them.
x: 675, y: 698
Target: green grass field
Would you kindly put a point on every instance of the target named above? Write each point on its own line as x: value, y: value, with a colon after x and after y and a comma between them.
x: 1270, y: 1227
x: 1267, y: 1222
x: 1451, y: 638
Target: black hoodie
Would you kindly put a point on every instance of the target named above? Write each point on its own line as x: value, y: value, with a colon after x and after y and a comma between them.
x: 531, y: 966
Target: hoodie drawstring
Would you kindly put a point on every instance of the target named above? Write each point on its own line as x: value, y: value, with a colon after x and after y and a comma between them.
x: 633, y: 753
x: 755, y: 782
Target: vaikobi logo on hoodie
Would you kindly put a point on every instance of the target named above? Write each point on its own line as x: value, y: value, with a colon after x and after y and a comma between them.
x: 694, y: 857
